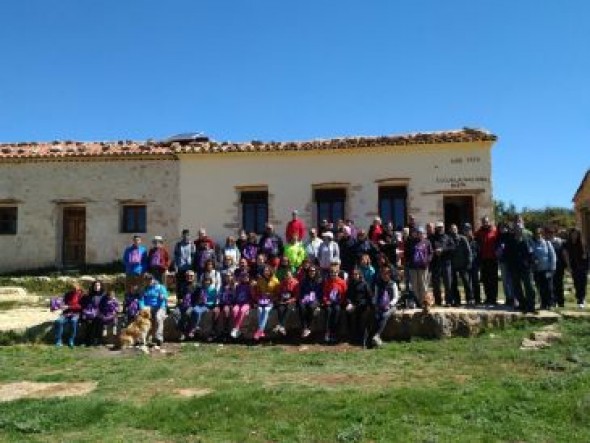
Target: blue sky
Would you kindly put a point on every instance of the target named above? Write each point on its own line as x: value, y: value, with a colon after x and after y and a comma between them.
x: 293, y: 70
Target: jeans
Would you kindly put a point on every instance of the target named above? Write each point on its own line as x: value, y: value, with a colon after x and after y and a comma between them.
x: 489, y: 278
x: 465, y: 277
x: 59, y: 328
x: 381, y: 319
x: 197, y: 315
x: 544, y: 282
x: 283, y: 311
x: 306, y: 314
x: 441, y: 271
x: 507, y: 284
x: 332, y: 317
x: 239, y: 314
x: 181, y: 317
x: 263, y: 314
x: 524, y: 279
x: 359, y: 324
x: 158, y: 317
x: 580, y: 278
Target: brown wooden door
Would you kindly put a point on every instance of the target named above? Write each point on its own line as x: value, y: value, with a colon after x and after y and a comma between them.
x: 74, y: 236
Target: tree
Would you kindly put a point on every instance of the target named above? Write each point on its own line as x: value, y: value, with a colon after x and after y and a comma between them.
x: 557, y: 217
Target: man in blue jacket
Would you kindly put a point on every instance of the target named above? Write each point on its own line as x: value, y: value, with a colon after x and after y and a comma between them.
x: 135, y: 259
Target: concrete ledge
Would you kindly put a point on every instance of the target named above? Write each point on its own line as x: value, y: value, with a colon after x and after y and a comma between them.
x: 404, y: 325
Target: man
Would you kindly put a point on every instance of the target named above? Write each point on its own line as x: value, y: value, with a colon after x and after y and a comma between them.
x: 158, y: 259
x: 365, y: 246
x: 155, y: 298
x: 443, y: 247
x: 461, y: 261
x: 545, y: 263
x: 346, y: 245
x: 184, y: 258
x: 375, y: 230
x: 271, y: 245
x: 204, y: 238
x: 312, y: 245
x: 474, y: 271
x: 487, y: 237
x: 135, y: 259
x: 295, y: 227
x: 557, y: 244
x: 520, y: 258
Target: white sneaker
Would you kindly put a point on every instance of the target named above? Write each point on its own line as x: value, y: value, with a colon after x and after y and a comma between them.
x: 377, y: 340
x: 306, y: 333
x: 276, y: 329
x: 581, y: 306
x: 234, y: 333
x: 282, y: 330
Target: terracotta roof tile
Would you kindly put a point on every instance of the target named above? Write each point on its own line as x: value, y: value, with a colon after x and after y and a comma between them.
x: 127, y: 148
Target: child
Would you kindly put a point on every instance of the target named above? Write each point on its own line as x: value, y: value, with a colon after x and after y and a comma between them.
x: 131, y: 304
x: 241, y: 304
x: 207, y: 300
x: 70, y: 314
x: 267, y: 287
x: 108, y: 308
x: 288, y: 294
x: 334, y: 296
x: 310, y: 290
x: 89, y: 303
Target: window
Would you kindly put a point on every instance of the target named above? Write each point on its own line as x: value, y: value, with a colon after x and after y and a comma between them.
x: 134, y: 219
x: 330, y: 204
x: 254, y: 210
x: 392, y: 205
x: 8, y: 219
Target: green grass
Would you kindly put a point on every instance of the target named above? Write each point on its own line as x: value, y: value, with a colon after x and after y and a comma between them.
x: 465, y: 390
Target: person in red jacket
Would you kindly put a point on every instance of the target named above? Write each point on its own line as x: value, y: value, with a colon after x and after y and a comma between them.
x: 295, y: 226
x: 158, y: 260
x: 288, y: 295
x: 487, y: 239
x: 71, y: 309
x: 333, y: 298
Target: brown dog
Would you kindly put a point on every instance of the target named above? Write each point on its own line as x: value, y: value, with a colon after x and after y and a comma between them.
x: 427, y: 303
x: 137, y: 332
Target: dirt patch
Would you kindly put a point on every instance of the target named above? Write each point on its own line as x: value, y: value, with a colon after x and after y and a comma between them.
x: 193, y: 392
x: 27, y: 389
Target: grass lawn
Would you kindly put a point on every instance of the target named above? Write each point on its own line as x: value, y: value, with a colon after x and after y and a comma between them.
x: 479, y: 389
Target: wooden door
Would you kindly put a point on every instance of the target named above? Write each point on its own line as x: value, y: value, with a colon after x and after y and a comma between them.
x: 458, y: 210
x: 74, y: 236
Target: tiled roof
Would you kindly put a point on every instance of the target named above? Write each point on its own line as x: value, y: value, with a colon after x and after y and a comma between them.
x: 69, y: 149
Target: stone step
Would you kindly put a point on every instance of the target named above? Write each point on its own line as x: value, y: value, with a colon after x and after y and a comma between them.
x: 17, y: 294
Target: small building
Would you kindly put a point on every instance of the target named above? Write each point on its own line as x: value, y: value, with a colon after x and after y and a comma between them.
x: 66, y: 204
x: 582, y: 207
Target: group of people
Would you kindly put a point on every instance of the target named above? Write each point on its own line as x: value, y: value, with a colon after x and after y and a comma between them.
x: 341, y: 269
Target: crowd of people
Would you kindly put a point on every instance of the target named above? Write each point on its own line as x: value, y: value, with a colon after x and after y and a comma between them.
x: 362, y: 275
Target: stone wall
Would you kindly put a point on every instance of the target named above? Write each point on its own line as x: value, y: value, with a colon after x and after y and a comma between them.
x: 42, y: 189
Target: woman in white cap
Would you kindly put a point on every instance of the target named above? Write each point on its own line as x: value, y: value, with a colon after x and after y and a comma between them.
x: 328, y: 252
x: 158, y: 259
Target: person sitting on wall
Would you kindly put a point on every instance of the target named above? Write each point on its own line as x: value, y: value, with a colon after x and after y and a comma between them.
x: 186, y: 301
x: 359, y: 301
x: 333, y: 299
x: 89, y: 313
x: 131, y: 304
x: 135, y: 259
x: 70, y: 314
x: 158, y: 260
x: 386, y: 296
x: 108, y: 310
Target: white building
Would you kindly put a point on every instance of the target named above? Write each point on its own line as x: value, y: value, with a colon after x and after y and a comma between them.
x: 72, y: 203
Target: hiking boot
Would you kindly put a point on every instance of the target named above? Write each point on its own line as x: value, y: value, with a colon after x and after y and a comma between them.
x: 377, y: 340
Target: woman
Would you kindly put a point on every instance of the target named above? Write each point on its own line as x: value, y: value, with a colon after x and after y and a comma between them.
x: 231, y: 249
x: 288, y: 294
x: 385, y: 299
x: 359, y: 302
x: 89, y: 314
x: 310, y: 292
x: 187, y: 300
x: 250, y: 251
x: 284, y: 267
x: 576, y: 260
x: 210, y: 272
x: 419, y: 257
x: 267, y: 287
x: 241, y: 303
x: 70, y: 314
x: 333, y: 298
x: 543, y: 269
